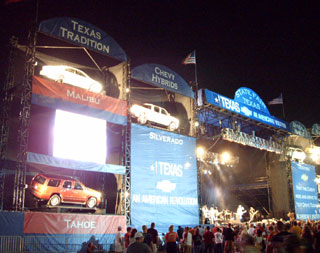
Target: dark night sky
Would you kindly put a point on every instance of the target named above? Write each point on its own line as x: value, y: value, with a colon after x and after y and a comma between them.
x: 268, y: 46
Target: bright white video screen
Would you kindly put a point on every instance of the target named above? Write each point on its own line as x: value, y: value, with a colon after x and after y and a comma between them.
x: 79, y: 137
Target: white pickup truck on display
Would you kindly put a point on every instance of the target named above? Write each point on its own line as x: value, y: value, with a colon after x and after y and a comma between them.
x: 153, y: 113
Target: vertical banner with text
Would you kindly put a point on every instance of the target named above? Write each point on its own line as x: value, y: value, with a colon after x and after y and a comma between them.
x: 305, y: 191
x: 163, y: 178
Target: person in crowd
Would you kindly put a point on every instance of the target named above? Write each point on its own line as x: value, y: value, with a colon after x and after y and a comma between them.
x: 171, y: 240
x: 295, y: 229
x: 201, y: 230
x: 187, y: 240
x: 197, y: 241
x: 247, y: 244
x: 251, y: 230
x: 147, y: 237
x: 271, y: 234
x: 132, y: 239
x: 279, y: 241
x: 91, y: 247
x: 316, y: 238
x: 258, y: 241
x: 127, y: 238
x: 218, y: 239
x: 155, y: 237
x: 306, y: 239
x: 138, y: 246
x: 208, y: 240
x: 180, y: 233
x: 118, y: 247
x: 228, y: 236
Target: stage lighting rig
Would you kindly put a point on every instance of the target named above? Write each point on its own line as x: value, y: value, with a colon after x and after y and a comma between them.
x: 225, y: 158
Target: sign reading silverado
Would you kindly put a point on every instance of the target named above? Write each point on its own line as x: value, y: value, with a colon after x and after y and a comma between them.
x: 153, y: 113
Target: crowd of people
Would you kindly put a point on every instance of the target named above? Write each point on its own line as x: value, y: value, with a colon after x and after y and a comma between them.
x: 273, y: 237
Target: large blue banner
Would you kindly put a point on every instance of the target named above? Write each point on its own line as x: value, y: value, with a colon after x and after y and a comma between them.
x: 163, y: 178
x: 305, y: 191
x: 83, y: 34
x: 245, y: 110
x: 162, y: 77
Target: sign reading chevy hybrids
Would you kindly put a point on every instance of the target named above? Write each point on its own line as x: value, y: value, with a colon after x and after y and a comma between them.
x: 83, y: 34
x: 163, y: 178
x: 305, y: 191
x: 247, y: 105
x: 162, y: 77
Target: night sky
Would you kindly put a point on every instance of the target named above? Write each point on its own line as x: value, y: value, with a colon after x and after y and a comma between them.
x: 271, y: 47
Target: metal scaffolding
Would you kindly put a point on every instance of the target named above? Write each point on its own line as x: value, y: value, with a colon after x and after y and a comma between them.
x: 24, y: 120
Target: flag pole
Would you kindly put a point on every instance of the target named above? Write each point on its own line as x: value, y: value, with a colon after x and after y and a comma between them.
x: 284, y: 116
x: 196, y: 76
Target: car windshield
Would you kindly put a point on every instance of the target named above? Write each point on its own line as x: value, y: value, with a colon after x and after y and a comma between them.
x: 40, y: 179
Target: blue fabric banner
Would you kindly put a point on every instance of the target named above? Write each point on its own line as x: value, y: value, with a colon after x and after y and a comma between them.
x: 243, y: 109
x: 83, y: 34
x: 162, y: 77
x: 248, y: 97
x: 72, y: 164
x: 163, y: 178
x: 305, y: 191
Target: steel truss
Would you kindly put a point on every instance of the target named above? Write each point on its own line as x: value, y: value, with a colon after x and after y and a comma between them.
x: 126, y: 187
x: 7, y: 98
x: 214, y: 118
x: 24, y: 120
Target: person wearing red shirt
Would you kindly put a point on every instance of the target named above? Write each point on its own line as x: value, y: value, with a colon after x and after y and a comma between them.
x: 171, y: 240
x: 126, y: 238
x: 208, y: 240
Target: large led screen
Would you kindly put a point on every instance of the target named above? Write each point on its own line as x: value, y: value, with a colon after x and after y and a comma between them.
x: 79, y: 137
x: 305, y: 191
x: 163, y: 178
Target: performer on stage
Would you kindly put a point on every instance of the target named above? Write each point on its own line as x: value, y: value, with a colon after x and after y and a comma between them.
x: 252, y: 213
x: 240, y: 212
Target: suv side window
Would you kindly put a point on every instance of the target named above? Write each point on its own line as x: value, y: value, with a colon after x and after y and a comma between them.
x: 67, y: 184
x: 77, y: 186
x: 54, y: 182
x: 156, y: 109
x: 39, y: 179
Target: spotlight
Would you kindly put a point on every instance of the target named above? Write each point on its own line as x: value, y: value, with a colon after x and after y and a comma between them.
x: 200, y: 152
x: 196, y: 124
x: 127, y: 90
x: 225, y: 157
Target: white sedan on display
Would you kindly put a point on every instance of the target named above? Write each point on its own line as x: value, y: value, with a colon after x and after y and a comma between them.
x: 153, y: 113
x: 73, y: 76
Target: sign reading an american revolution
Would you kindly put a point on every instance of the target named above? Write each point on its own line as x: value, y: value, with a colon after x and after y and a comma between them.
x: 305, y: 191
x: 162, y: 77
x: 245, y: 109
x: 163, y: 178
x: 83, y: 34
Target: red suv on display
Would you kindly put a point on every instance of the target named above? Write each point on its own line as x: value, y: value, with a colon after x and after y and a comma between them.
x: 61, y: 189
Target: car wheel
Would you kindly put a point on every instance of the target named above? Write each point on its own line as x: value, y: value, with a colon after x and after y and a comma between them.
x: 92, y: 202
x: 142, y: 119
x: 172, y: 126
x: 54, y: 200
